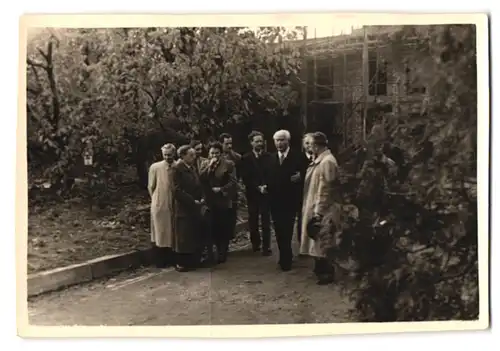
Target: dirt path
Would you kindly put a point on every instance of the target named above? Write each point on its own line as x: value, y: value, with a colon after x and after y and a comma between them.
x: 248, y: 289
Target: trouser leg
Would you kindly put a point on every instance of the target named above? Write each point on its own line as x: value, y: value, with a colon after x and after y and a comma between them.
x: 208, y: 240
x: 253, y: 223
x: 222, y: 232
x: 227, y: 228
x: 287, y: 235
x: 162, y: 256
x: 167, y: 256
x: 283, y: 226
x: 233, y: 217
x: 276, y: 221
x: 209, y: 251
x: 299, y: 224
x: 265, y: 215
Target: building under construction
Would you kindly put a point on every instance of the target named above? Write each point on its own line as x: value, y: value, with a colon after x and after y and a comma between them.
x: 350, y: 81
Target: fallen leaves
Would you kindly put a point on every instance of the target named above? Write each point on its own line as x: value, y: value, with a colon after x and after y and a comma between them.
x: 65, y: 234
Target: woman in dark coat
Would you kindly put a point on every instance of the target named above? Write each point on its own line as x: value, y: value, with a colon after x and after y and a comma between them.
x: 218, y: 177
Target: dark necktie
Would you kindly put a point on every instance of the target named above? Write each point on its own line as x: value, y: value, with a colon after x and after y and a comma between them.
x: 282, y: 158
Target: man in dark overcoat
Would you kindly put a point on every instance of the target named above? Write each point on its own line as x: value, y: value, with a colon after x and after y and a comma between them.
x: 189, y: 202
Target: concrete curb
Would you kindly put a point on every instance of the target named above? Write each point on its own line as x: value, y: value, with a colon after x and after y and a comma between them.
x: 60, y: 278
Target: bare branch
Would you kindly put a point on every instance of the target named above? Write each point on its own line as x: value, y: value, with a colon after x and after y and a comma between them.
x: 52, y: 82
x: 164, y: 50
x: 33, y: 91
x: 49, y: 53
x: 37, y: 77
x: 54, y: 37
x: 39, y: 85
x: 420, y: 249
x: 45, y: 55
x: 154, y: 108
x: 408, y: 193
x: 153, y: 99
x: 31, y: 114
x: 36, y: 64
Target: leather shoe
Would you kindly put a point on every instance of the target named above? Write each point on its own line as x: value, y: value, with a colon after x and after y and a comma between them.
x: 324, y: 281
x: 182, y: 269
x: 286, y: 267
x: 267, y: 252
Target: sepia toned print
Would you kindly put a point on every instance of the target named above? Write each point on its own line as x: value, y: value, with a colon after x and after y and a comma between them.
x: 248, y: 175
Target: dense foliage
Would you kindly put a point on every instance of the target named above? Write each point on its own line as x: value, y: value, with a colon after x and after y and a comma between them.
x: 411, y: 245
x: 125, y: 92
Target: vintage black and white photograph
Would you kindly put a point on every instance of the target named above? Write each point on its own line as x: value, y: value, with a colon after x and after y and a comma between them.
x: 253, y: 175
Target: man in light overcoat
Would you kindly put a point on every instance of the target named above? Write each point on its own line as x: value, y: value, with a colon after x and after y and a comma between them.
x: 321, y: 198
x: 160, y: 187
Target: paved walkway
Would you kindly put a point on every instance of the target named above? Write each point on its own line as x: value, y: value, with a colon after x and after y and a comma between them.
x: 247, y: 289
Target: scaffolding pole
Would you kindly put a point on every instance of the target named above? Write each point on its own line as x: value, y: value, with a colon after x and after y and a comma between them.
x: 331, y: 65
x: 305, y: 79
x: 331, y: 70
x: 366, y: 80
x: 344, y: 80
x: 315, y: 68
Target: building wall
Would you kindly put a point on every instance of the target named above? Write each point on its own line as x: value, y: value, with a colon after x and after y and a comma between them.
x: 404, y: 98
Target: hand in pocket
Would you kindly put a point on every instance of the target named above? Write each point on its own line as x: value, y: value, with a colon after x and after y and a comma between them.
x: 296, y: 177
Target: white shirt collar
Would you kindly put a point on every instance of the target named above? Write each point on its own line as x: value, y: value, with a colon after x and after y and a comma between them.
x: 285, y: 153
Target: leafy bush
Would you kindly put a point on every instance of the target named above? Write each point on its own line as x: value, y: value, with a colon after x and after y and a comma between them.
x: 412, y: 249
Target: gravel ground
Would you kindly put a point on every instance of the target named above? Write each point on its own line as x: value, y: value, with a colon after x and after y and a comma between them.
x: 248, y: 289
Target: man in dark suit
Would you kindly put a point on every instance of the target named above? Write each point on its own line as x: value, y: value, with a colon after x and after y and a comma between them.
x: 199, y: 162
x: 219, y: 182
x: 229, y: 154
x: 254, y: 168
x: 307, y: 158
x: 284, y: 186
x: 188, y: 202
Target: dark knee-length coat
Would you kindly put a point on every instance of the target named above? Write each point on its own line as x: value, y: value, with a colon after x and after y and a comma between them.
x: 187, y: 190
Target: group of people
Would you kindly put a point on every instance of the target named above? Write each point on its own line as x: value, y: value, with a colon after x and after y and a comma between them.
x: 194, y: 200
